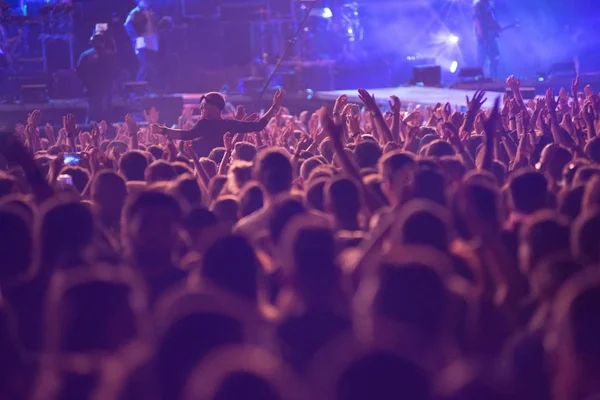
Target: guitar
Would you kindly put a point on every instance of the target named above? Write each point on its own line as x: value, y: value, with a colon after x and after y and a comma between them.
x: 495, y: 33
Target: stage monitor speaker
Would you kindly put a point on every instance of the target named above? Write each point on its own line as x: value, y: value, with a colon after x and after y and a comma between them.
x: 469, y: 74
x: 528, y: 93
x: 427, y: 75
x: 34, y: 93
x: 562, y: 69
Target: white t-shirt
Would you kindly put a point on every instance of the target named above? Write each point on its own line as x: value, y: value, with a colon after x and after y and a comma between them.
x: 149, y: 38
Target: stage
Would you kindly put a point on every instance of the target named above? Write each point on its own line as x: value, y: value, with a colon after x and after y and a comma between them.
x: 171, y: 105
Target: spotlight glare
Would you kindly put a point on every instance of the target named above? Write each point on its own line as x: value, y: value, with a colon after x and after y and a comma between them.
x: 327, y: 13
x: 452, y: 39
x: 454, y: 66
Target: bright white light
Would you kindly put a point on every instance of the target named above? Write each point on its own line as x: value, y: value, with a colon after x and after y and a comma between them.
x: 452, y: 39
x: 327, y: 13
x: 350, y: 31
x: 454, y: 66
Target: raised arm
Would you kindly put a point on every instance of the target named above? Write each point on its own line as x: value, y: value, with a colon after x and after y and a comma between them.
x: 490, y: 127
x: 371, y: 105
x: 204, y: 126
x: 335, y: 132
x: 395, y: 106
x: 560, y: 136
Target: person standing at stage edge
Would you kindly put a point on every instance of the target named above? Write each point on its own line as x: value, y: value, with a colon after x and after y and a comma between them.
x: 487, y: 30
x: 143, y: 26
x: 98, y: 70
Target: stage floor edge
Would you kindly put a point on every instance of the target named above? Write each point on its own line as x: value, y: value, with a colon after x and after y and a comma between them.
x: 425, y: 96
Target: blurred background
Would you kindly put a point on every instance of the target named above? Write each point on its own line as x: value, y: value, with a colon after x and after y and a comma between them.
x: 235, y: 45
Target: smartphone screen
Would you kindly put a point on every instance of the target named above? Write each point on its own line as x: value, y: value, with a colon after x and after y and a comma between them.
x: 64, y: 181
x: 101, y: 28
x: 72, y: 159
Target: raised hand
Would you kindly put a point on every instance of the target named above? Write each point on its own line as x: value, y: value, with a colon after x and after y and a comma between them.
x: 49, y: 131
x: 479, y: 120
x: 491, y: 123
x: 131, y: 125
x: 457, y: 119
x: 575, y: 86
x: 152, y: 117
x: 320, y: 135
x: 589, y: 92
x: 335, y: 132
x: 340, y: 103
x: 353, y: 123
x: 450, y: 132
x: 228, y: 141
x: 539, y: 105
x: 513, y: 83
x: 103, y: 129
x: 240, y: 113
x: 395, y: 104
x: 446, y: 112
x: 411, y: 137
x: 550, y: 101
x: 34, y: 118
x: 95, y: 134
x: 303, y: 144
x: 473, y: 106
x: 278, y: 98
x: 69, y: 125
x: 567, y: 124
x: 368, y: 100
x: 414, y: 118
x: 156, y: 129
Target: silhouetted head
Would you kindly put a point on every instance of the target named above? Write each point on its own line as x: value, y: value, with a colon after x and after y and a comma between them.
x: 244, y: 151
x: 188, y: 189
x: 64, y: 232
x: 16, y: 244
x: 367, y: 154
x: 397, y: 173
x: 151, y: 223
x: 109, y: 192
x: 160, y: 171
x: 212, y: 105
x: 383, y: 376
x: 585, y: 237
x: 528, y: 191
x: 542, y: 235
x: 133, y: 165
x: 343, y: 198
x: 231, y: 263
x: 251, y: 199
x: 273, y: 171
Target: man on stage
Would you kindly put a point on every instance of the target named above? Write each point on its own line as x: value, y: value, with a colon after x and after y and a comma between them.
x: 487, y: 30
x: 142, y: 24
x: 98, y: 70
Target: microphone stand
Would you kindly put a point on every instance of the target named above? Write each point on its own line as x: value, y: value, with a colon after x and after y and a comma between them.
x: 291, y: 43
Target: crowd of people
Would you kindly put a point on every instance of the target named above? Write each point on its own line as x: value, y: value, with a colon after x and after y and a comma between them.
x: 420, y: 253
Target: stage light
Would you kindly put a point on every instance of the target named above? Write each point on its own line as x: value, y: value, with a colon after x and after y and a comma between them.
x: 327, y: 13
x: 454, y: 66
x: 452, y: 39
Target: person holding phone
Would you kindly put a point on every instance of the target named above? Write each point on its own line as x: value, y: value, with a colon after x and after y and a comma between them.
x: 98, y: 70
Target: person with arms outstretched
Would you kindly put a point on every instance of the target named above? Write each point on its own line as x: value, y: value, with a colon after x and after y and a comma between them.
x: 211, y: 127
